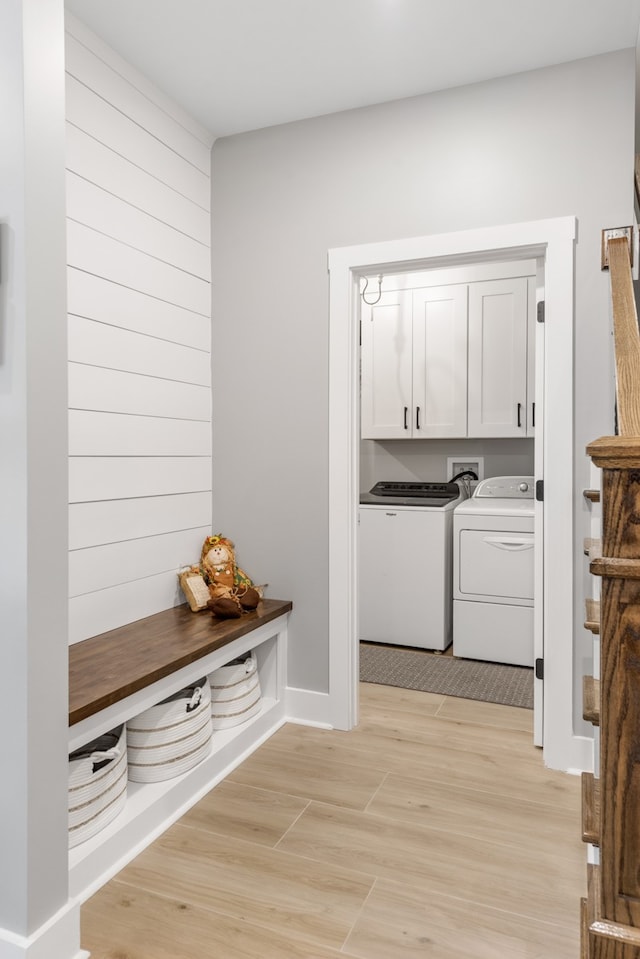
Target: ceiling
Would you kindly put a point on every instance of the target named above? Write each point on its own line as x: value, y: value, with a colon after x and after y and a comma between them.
x: 238, y: 65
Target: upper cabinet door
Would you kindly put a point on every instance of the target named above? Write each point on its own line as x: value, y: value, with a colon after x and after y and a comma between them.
x: 498, y: 358
x: 386, y: 332
x: 440, y: 361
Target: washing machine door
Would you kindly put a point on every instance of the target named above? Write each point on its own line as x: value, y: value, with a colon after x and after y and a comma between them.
x: 496, y: 566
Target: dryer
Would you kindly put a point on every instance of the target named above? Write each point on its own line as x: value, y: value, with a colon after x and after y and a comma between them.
x: 493, y: 572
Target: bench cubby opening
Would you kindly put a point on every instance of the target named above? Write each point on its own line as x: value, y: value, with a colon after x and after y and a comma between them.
x: 117, y: 675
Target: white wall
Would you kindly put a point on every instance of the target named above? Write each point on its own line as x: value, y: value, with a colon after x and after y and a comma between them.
x: 138, y: 234
x: 549, y: 143
x: 33, y: 480
x: 407, y: 460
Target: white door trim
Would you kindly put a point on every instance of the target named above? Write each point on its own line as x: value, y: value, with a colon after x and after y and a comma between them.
x: 554, y: 240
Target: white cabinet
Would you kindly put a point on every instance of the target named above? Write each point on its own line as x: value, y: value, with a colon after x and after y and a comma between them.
x: 414, y: 364
x: 449, y: 361
x: 405, y: 569
x: 440, y: 361
x: 387, y: 359
x: 498, y: 358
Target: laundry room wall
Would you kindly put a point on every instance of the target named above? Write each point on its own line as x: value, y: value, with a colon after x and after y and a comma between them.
x: 427, y: 459
x: 519, y: 148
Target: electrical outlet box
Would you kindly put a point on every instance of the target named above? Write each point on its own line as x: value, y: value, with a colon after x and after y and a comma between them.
x: 457, y: 464
x: 611, y: 234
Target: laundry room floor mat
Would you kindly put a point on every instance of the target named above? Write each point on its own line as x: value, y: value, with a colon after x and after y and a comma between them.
x: 465, y: 678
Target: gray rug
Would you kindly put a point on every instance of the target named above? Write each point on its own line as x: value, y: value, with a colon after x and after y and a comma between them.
x: 466, y: 678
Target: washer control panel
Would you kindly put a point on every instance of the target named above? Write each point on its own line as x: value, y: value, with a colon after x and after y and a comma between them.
x: 506, y: 487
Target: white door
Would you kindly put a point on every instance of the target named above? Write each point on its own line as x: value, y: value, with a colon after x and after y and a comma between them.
x: 537, y: 394
x: 440, y: 361
x: 386, y: 368
x: 498, y: 358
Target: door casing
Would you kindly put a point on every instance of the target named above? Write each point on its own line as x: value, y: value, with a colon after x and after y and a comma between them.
x: 552, y: 240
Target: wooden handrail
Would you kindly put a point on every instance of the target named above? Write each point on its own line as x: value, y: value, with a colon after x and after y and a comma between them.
x: 619, y: 766
x: 627, y: 338
x: 611, y: 915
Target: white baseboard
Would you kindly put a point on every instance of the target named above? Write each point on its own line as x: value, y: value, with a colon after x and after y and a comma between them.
x: 582, y: 755
x: 58, y: 938
x: 572, y: 754
x: 308, y: 708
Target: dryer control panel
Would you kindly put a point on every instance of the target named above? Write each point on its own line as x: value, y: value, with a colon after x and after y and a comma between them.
x: 506, y: 487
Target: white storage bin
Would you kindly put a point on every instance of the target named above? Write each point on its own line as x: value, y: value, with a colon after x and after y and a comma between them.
x: 235, y: 692
x: 171, y: 737
x: 97, y: 784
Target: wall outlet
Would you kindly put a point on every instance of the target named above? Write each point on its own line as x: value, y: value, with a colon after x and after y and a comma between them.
x: 456, y: 464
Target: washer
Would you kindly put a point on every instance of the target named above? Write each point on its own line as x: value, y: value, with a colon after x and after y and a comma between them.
x: 405, y: 564
x: 493, y: 572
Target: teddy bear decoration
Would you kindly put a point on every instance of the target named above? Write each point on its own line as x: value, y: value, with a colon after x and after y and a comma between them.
x: 218, y: 583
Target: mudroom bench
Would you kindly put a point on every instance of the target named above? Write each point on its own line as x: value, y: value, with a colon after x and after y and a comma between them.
x: 118, y: 674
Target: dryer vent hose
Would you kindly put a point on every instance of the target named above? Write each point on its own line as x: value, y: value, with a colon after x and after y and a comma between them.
x: 465, y: 474
x: 465, y: 478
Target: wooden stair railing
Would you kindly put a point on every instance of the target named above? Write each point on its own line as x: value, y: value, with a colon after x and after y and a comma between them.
x: 626, y: 338
x: 611, y: 914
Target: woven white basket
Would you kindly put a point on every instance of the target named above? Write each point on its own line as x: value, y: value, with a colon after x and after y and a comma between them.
x: 171, y: 737
x: 97, y: 784
x: 235, y: 693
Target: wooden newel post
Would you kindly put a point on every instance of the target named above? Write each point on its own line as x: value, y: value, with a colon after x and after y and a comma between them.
x: 619, y: 567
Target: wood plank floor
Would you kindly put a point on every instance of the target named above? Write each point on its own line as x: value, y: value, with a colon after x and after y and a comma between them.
x: 432, y: 831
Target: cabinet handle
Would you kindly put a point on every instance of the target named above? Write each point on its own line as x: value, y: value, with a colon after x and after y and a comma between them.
x: 406, y: 410
x: 533, y: 414
x: 417, y: 417
x: 519, y: 412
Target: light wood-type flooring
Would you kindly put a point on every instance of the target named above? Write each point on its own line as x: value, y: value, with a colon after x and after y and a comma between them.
x: 432, y: 831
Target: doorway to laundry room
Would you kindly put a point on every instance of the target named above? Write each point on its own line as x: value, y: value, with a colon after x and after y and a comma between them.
x: 447, y: 467
x: 549, y: 246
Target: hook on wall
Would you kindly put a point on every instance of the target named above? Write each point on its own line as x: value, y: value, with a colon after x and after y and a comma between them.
x: 377, y: 299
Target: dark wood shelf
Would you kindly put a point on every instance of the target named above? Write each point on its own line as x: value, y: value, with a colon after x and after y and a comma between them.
x: 107, y: 668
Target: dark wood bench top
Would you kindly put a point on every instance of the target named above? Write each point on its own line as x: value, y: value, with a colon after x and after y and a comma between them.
x: 109, y: 667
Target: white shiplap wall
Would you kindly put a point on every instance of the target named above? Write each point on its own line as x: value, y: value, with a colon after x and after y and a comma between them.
x: 138, y: 253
